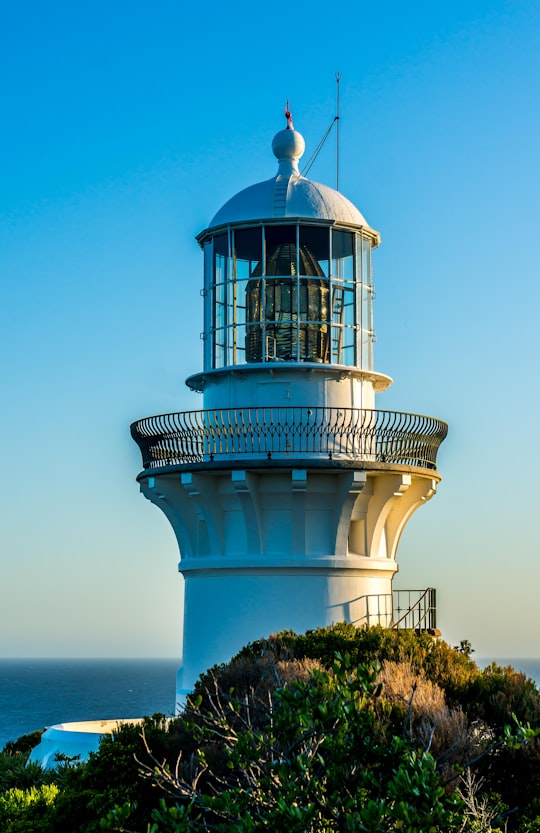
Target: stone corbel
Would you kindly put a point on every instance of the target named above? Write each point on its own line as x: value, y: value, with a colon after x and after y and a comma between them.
x: 298, y: 511
x: 422, y: 490
x: 351, y: 486
x: 167, y: 494
x: 388, y: 490
x: 202, y: 492
x: 245, y: 485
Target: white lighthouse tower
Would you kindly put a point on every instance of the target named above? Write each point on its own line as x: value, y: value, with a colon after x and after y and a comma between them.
x: 288, y: 491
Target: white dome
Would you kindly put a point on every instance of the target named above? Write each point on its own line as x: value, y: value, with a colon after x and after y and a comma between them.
x: 299, y: 198
x: 288, y: 194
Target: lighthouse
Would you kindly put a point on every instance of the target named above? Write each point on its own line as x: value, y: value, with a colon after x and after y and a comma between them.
x: 288, y: 490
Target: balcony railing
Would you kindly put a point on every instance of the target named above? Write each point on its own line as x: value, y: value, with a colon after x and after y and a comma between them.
x: 352, y: 434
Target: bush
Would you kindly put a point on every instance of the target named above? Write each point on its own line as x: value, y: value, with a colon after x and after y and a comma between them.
x: 478, y: 705
x: 109, y: 777
x: 313, y: 761
x: 435, y: 659
x: 17, y: 772
x: 23, y: 811
x: 427, y: 719
x: 24, y: 744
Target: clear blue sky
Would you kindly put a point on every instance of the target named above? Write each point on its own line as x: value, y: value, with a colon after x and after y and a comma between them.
x: 125, y: 126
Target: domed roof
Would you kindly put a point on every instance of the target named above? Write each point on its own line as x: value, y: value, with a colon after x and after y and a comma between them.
x: 288, y: 194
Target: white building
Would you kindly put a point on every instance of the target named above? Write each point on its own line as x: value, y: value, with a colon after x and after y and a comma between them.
x: 288, y: 491
x: 74, y: 740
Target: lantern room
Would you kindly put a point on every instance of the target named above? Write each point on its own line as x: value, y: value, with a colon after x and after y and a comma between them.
x: 288, y: 292
x: 288, y: 273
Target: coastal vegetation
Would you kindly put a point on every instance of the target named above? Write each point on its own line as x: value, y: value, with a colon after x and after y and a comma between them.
x: 339, y: 729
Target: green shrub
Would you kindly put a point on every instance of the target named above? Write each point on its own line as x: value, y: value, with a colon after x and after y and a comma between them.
x: 313, y: 760
x: 109, y: 777
x: 478, y: 704
x: 17, y: 772
x: 24, y: 744
x: 443, y: 665
x: 25, y: 811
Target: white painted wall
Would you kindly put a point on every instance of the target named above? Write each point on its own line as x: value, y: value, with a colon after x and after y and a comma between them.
x: 267, y: 549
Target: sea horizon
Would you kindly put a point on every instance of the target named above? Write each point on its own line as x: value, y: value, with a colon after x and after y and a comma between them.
x: 38, y: 692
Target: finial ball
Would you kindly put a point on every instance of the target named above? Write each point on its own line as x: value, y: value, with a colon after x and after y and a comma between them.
x: 288, y: 144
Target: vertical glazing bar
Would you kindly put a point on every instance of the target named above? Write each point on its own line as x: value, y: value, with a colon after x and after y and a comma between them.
x: 357, y: 289
x: 358, y: 294
x: 227, y: 300
x: 209, y: 300
x: 369, y: 303
x: 262, y: 313
x: 233, y: 278
x: 296, y: 313
x: 333, y: 359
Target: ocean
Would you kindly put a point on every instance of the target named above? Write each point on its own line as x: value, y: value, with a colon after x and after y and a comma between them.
x: 37, y: 693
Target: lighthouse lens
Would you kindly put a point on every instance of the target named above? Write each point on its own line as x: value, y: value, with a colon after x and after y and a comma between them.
x: 287, y: 305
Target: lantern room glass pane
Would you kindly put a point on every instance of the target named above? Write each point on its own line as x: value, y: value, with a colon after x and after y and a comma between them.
x: 314, y: 251
x: 348, y: 317
x: 280, y: 250
x: 221, y: 251
x: 367, y: 305
x: 367, y: 328
x: 367, y: 334
x: 344, y: 325
x: 247, y: 252
x: 336, y: 344
x: 220, y: 305
x: 208, y: 306
x: 314, y: 308
x: 241, y: 302
x: 366, y: 261
x: 238, y: 355
x: 343, y: 255
x: 280, y: 315
x: 367, y: 350
x: 348, y: 352
x: 219, y: 348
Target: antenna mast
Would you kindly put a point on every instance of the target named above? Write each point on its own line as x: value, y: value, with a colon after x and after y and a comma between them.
x: 317, y: 150
x: 338, y: 79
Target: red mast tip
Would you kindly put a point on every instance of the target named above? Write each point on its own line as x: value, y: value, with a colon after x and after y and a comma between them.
x: 290, y: 125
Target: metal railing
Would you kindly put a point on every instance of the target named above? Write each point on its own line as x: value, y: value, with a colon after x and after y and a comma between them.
x: 418, y: 613
x: 400, y: 610
x: 356, y: 434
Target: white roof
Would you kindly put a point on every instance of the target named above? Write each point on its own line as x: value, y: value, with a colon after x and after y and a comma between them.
x: 288, y: 194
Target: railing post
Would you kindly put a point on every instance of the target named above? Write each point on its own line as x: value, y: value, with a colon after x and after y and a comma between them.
x: 433, y: 608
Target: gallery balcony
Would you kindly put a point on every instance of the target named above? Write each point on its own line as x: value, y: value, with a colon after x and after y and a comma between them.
x: 277, y: 435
